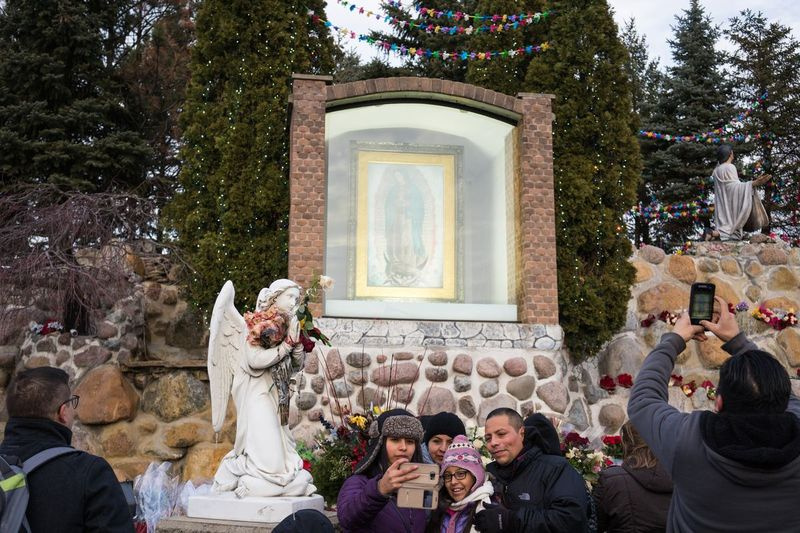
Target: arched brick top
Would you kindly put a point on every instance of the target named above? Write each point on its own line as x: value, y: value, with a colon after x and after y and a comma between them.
x: 427, y: 88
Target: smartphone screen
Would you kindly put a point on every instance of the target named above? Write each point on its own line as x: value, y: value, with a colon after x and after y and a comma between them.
x: 701, y: 302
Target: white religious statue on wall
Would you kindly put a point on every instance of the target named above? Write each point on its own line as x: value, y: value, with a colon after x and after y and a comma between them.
x: 253, y: 358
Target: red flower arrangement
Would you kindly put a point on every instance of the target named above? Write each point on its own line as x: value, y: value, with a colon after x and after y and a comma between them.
x: 777, y: 319
x: 625, y: 381
x: 675, y: 380
x: 665, y: 316
x: 573, y: 439
x: 689, y: 388
x: 613, y: 446
x: 607, y: 384
x: 711, y: 390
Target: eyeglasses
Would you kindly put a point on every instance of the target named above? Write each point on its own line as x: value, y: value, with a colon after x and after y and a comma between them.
x: 72, y: 400
x: 458, y: 474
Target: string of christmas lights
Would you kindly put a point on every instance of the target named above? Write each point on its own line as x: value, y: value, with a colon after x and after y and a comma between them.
x: 717, y: 135
x: 444, y: 55
x: 502, y: 24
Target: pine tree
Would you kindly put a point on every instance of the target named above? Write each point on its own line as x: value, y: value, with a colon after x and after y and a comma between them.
x: 61, y: 120
x: 646, y: 84
x: 695, y: 100
x: 506, y: 74
x: 232, y: 209
x: 767, y: 61
x: 596, y: 168
x: 420, y: 31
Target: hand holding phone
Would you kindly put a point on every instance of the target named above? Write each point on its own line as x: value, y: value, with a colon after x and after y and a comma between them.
x: 701, y: 303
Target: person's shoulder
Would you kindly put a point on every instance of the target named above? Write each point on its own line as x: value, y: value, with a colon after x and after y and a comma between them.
x: 612, y: 473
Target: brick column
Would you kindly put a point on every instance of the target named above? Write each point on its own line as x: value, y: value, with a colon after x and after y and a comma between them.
x: 307, y: 185
x: 537, y: 287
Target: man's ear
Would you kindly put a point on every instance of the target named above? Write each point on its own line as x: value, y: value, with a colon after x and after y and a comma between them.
x: 61, y: 416
x: 718, y: 403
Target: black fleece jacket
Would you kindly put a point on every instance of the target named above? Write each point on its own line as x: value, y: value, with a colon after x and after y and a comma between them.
x: 73, y: 493
x: 544, y: 491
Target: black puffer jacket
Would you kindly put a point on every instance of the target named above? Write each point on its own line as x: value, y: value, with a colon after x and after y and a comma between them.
x: 76, y: 493
x: 544, y: 491
x: 634, y: 500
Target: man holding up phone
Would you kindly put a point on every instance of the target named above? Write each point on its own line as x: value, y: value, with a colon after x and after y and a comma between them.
x: 736, y: 469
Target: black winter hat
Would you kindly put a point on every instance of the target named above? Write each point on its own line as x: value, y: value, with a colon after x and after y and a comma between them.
x: 444, y: 423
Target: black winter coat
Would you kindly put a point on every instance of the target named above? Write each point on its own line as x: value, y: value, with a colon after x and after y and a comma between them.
x: 634, y: 500
x: 73, y: 493
x: 546, y: 494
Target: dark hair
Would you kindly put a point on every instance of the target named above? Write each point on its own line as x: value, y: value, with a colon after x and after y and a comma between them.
x: 635, y: 451
x: 753, y: 383
x: 37, y: 393
x: 514, y: 417
x: 723, y: 153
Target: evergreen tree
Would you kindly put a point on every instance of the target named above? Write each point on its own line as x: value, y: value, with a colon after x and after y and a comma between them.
x: 413, y: 28
x: 646, y: 83
x: 506, y: 74
x: 767, y: 61
x: 596, y: 168
x: 232, y: 209
x: 695, y: 100
x: 154, y: 74
x: 61, y: 118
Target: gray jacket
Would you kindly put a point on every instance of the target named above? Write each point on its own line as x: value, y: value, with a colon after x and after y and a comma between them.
x: 713, y: 492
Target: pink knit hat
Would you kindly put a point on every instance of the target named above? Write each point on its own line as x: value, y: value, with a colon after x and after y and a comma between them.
x: 463, y: 455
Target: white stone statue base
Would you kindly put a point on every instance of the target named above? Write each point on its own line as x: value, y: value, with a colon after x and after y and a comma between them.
x: 226, y: 506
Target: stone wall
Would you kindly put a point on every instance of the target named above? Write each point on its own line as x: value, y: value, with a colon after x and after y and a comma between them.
x: 144, y: 388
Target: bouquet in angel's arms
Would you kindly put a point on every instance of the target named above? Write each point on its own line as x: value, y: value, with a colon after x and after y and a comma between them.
x: 309, y: 333
x: 265, y: 328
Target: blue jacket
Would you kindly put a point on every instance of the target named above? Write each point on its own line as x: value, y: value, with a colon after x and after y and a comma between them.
x: 714, y: 492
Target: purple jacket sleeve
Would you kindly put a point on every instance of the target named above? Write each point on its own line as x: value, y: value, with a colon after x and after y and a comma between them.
x: 359, y: 502
x: 648, y: 407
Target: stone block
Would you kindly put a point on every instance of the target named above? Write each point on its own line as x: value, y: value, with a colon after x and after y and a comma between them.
x: 106, y: 396
x: 652, y: 254
x: 202, y: 461
x: 188, y: 433
x: 643, y: 271
x: 436, y: 374
x: 488, y: 367
x: 334, y: 365
x: 397, y: 373
x: 682, y: 268
x: 435, y: 400
x: 173, y: 396
x: 359, y: 359
x: 782, y: 279
x: 462, y: 383
x: 515, y: 366
x: 521, y: 387
x: 710, y: 353
x: 544, y: 366
x: 462, y: 364
x: 664, y: 296
x: 489, y: 388
x: 466, y: 406
x: 490, y: 404
x: 611, y: 417
x: 438, y: 358
x: 555, y: 395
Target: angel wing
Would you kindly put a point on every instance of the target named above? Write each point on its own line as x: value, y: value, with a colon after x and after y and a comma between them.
x: 225, y: 347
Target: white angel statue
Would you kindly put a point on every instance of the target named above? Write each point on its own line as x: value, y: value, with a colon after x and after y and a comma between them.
x: 255, y: 366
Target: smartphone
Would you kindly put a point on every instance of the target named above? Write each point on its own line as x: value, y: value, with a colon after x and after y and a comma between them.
x: 701, y: 302
x: 423, y: 492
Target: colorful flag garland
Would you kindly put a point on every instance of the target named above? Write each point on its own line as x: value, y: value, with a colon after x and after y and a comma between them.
x: 657, y: 211
x: 444, y: 55
x: 717, y: 135
x: 499, y: 23
x: 431, y: 12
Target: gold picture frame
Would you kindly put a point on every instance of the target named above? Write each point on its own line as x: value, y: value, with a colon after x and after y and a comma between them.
x: 406, y: 213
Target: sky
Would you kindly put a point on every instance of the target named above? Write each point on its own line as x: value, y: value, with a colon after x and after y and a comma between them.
x: 653, y: 19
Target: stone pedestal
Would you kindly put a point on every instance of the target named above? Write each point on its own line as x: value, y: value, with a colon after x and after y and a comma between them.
x: 227, y: 506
